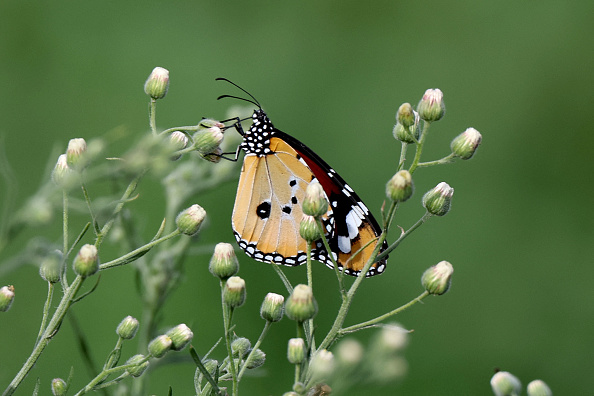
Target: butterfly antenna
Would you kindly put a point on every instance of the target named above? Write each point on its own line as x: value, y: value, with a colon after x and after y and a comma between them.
x: 254, y: 102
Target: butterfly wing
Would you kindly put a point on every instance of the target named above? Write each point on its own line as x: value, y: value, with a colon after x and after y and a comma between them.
x: 353, y: 226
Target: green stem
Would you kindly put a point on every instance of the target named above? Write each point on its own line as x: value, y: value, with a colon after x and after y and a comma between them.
x: 329, y: 251
x: 256, y: 346
x: 380, y: 318
x: 419, y: 150
x: 227, y: 316
x: 63, y: 279
x: 88, y: 202
x: 397, y: 242
x: 46, y: 306
x: 153, y: 116
x: 127, y: 194
x: 403, y: 150
x: 445, y: 160
x: 48, y: 334
x: 136, y: 253
x: 105, y: 373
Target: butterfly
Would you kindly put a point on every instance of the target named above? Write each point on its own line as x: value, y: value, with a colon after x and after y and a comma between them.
x: 276, y: 170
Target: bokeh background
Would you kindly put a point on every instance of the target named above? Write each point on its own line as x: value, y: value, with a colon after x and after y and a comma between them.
x: 333, y: 73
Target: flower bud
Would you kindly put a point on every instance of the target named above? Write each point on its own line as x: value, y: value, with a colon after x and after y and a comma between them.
x: 215, y: 156
x: 62, y: 175
x: 241, y: 347
x: 212, y: 366
x: 86, y: 262
x: 159, y: 346
x: 405, y: 115
x: 539, y: 388
x: 438, y: 200
x: 223, y: 263
x: 315, y: 202
x: 6, y: 297
x: 308, y: 229
x: 51, y: 267
x: 59, y: 387
x: 301, y: 305
x: 431, y: 107
x: 127, y: 328
x: 140, y: 368
x: 437, y: 279
x: 256, y: 359
x: 157, y: 84
x: 75, y: 153
x: 296, y: 351
x: 400, y: 187
x: 234, y: 292
x: 209, y: 136
x: 349, y: 352
x: 177, y: 141
x: 322, y: 364
x: 180, y: 335
x: 505, y: 384
x: 272, y: 308
x: 189, y: 220
x: 465, y: 144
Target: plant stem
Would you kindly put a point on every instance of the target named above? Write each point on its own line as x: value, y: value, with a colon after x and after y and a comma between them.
x: 419, y: 150
x: 380, y: 318
x: 49, y: 332
x: 46, y: 306
x: 153, y: 116
x: 227, y: 316
x: 256, y: 346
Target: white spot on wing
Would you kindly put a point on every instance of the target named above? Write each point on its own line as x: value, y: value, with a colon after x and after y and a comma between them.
x: 344, y: 244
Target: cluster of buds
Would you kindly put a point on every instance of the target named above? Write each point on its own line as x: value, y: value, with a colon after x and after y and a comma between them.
x: 175, y: 339
x: 208, y: 137
x: 407, y: 127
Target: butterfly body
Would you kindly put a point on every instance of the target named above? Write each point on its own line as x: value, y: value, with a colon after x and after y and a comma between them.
x: 267, y: 213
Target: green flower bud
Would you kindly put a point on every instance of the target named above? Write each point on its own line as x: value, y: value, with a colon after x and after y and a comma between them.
x: 438, y: 200
x: 51, y: 267
x: 349, y: 352
x: 315, y: 202
x: 127, y: 328
x: 159, y: 346
x: 75, y: 153
x: 62, y: 175
x: 272, y: 308
x: 180, y: 335
x: 296, y: 351
x: 86, y: 262
x: 241, y: 347
x: 539, y: 388
x: 59, y: 387
x: 157, y: 84
x: 301, y: 305
x: 308, y: 229
x: 190, y: 219
x: 215, y: 156
x: 6, y: 297
x: 400, y: 187
x: 437, y: 279
x: 405, y: 115
x: 291, y: 394
x: 505, y: 384
x: 234, y: 292
x: 209, y: 136
x: 465, y: 144
x: 177, y: 141
x: 322, y: 365
x: 211, y: 366
x: 256, y: 359
x: 141, y: 362
x: 223, y: 263
x: 431, y: 107
x: 408, y: 134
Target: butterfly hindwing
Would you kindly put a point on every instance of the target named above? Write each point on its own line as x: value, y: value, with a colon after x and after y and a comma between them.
x: 276, y: 170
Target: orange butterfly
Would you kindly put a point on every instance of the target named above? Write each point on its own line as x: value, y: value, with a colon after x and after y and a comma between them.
x: 267, y: 213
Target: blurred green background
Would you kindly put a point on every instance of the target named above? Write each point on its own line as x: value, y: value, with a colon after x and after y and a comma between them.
x: 333, y: 75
